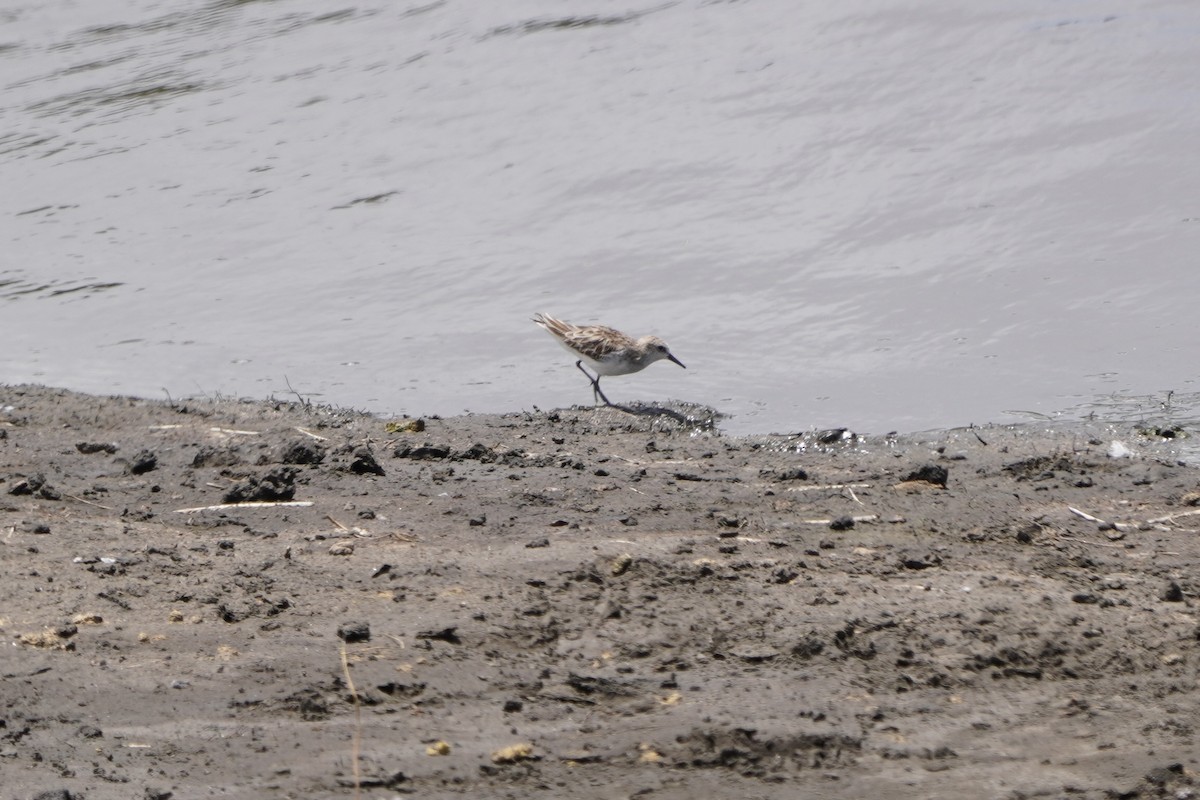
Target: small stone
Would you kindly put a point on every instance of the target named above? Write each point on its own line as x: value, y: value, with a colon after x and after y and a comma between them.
x: 341, y: 548
x: 405, y: 426
x: 363, y: 462
x: 930, y: 473
x: 143, y: 462
x: 277, y: 484
x: 350, y: 632
x: 208, y: 456
x: 784, y: 575
x: 301, y: 452
x: 512, y: 753
x: 536, y: 543
x: 1173, y: 593
x: 37, y: 486
x: 55, y: 794
x: 87, y: 448
x: 448, y: 635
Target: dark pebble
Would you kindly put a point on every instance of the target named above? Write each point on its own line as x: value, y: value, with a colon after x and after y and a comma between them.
x: 215, y: 457
x: 425, y: 452
x: 301, y: 452
x: 55, y: 794
x: 831, y: 435
x: 784, y: 575
x: 449, y: 635
x: 87, y: 448
x: 793, y: 474
x: 35, y: 485
x: 542, y: 542
x: 143, y: 462
x: 354, y: 632
x: 363, y: 462
x: 1161, y: 775
x: 90, y: 732
x: 842, y: 524
x: 278, y: 484
x: 930, y: 473
x: 1173, y: 593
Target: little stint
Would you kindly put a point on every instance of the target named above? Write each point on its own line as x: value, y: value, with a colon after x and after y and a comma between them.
x: 606, y: 350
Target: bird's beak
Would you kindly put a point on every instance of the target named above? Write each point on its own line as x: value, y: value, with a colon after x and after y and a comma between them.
x: 676, y: 360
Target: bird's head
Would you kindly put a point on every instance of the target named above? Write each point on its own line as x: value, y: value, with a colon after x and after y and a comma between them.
x: 656, y: 349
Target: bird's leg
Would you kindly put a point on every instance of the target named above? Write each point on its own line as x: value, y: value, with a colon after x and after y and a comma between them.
x: 596, y: 390
x: 595, y: 383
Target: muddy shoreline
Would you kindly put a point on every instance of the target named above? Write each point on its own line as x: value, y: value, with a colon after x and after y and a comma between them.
x: 588, y: 602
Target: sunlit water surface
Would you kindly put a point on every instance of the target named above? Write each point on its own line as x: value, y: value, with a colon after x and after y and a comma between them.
x: 888, y: 216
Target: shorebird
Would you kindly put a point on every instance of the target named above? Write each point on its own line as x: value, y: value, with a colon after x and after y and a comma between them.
x: 606, y: 350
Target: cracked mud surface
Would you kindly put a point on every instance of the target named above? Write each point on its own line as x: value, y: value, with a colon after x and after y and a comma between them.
x: 585, y: 602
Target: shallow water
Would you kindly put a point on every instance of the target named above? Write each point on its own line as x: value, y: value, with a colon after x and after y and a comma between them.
x: 890, y: 220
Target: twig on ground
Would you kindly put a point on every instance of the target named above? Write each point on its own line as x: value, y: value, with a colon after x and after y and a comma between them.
x: 234, y: 432
x: 1121, y: 526
x: 359, y: 532
x: 1085, y: 541
x: 828, y: 486
x: 303, y: 401
x: 316, y: 436
x: 862, y: 518
x: 357, y: 744
x: 1173, y: 517
x: 256, y: 504
x: 88, y: 502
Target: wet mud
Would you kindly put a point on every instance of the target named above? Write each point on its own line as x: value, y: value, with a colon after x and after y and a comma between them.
x: 235, y: 599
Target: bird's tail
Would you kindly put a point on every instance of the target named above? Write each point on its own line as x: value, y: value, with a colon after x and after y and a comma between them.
x: 555, y: 326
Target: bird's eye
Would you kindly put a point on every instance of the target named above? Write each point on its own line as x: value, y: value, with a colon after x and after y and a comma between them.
x: 662, y: 348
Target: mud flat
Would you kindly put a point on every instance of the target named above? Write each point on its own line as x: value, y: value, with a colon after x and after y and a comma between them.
x: 234, y: 599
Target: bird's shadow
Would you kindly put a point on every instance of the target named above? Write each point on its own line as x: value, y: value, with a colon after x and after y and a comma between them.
x: 651, y: 411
